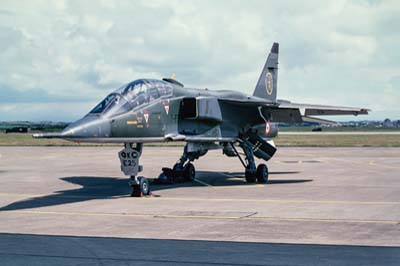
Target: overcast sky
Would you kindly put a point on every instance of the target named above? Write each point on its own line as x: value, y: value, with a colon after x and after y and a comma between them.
x: 59, y: 58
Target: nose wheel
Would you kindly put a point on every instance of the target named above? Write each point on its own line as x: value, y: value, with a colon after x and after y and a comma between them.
x: 140, y: 187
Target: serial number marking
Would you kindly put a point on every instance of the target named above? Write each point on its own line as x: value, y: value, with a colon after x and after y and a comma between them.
x: 128, y: 163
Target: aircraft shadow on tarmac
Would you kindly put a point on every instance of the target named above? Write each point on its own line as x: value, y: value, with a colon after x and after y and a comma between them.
x: 92, y: 187
x: 238, y: 179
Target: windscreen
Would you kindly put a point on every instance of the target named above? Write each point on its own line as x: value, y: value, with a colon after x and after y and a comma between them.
x: 103, y: 104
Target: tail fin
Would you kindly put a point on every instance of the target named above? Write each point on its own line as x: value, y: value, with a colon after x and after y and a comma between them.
x: 267, y: 83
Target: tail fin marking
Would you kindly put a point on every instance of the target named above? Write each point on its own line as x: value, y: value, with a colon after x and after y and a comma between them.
x: 267, y: 83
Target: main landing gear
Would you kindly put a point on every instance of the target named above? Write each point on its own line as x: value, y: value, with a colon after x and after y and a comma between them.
x: 252, y: 173
x: 183, y: 170
x: 129, y: 158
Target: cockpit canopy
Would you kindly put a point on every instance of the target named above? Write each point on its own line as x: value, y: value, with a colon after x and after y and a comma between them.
x: 132, y: 95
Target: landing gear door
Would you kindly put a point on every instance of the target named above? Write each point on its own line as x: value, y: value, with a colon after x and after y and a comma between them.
x: 129, y: 159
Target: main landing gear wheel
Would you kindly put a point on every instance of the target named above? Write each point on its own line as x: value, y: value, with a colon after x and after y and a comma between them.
x: 250, y: 176
x: 262, y: 173
x: 177, y: 168
x: 143, y: 188
x: 183, y: 170
x: 189, y: 172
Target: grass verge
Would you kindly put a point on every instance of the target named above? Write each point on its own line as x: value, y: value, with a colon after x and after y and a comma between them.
x: 282, y: 141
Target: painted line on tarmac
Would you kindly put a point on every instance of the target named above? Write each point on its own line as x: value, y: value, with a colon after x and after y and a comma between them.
x: 209, y: 217
x: 240, y: 186
x: 60, y: 196
x: 361, y: 163
x: 325, y: 220
x: 374, y: 163
x: 278, y: 201
x: 389, y: 203
x: 243, y: 185
x: 202, y: 182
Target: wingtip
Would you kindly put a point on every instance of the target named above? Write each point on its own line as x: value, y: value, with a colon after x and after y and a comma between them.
x: 365, y: 111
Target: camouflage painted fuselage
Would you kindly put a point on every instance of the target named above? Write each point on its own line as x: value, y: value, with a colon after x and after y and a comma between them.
x: 188, y: 112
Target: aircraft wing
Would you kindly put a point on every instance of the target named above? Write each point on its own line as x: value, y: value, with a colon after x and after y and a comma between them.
x: 288, y: 112
x: 317, y: 110
x: 297, y: 112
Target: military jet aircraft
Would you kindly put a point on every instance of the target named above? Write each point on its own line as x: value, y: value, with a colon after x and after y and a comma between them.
x: 149, y: 110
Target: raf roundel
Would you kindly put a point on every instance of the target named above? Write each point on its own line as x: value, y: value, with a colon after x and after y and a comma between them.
x: 267, y: 127
x: 269, y: 83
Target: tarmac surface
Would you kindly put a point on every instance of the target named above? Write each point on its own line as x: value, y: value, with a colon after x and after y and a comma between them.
x: 322, y: 206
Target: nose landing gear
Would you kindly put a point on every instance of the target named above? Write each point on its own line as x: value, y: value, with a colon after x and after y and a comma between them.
x: 129, y: 158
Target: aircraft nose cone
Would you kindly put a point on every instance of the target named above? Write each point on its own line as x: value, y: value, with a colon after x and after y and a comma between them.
x: 88, y: 127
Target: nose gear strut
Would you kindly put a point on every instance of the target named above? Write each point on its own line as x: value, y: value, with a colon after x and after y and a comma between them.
x: 129, y: 158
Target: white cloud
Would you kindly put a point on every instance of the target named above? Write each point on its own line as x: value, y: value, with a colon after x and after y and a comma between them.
x: 55, y: 111
x: 333, y: 52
